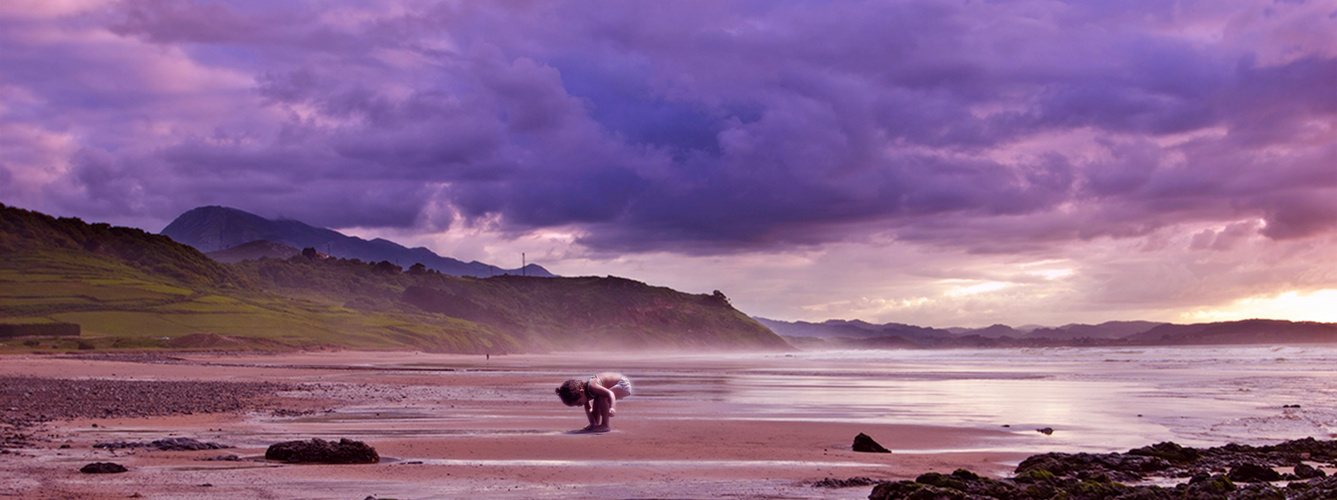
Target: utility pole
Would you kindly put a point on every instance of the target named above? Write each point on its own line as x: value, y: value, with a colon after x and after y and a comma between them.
x: 523, y: 264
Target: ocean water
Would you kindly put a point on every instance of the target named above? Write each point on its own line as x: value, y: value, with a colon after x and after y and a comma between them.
x: 1094, y: 399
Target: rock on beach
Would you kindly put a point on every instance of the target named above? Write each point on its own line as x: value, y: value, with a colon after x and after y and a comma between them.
x: 345, y: 451
x: 103, y: 468
x: 865, y: 443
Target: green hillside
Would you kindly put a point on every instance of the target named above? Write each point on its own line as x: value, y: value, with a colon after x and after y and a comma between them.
x: 543, y: 313
x: 126, y: 288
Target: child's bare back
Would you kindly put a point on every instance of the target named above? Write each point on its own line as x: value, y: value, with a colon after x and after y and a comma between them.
x: 598, y: 395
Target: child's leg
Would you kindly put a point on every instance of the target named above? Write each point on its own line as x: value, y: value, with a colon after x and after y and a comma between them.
x: 592, y: 414
x: 600, y: 422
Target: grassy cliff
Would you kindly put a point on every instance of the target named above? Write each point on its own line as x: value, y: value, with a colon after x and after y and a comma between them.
x: 126, y: 288
x: 542, y: 313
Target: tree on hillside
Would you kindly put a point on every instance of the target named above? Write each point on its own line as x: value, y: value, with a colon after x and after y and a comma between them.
x: 718, y: 295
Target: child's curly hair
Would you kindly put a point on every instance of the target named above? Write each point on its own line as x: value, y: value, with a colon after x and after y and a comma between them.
x: 570, y: 392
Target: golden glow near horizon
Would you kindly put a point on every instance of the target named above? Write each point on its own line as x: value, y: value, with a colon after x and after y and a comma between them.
x: 1294, y: 306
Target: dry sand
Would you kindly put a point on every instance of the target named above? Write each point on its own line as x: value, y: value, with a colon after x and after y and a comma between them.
x: 451, y: 427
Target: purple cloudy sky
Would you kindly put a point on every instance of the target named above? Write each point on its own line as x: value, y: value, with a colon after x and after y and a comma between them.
x: 944, y: 163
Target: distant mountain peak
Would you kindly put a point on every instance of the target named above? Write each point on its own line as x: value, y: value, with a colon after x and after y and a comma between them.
x: 216, y: 228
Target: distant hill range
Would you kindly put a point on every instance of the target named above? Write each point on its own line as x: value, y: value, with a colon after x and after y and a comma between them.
x: 841, y: 334
x: 231, y: 235
x: 95, y: 286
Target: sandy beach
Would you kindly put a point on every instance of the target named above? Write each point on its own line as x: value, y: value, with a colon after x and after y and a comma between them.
x: 766, y: 425
x: 452, y: 426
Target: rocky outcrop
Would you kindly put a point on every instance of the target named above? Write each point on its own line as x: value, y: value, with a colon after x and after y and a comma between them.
x: 1171, y: 460
x: 345, y: 451
x: 1116, y: 466
x: 1231, y: 472
x: 965, y: 485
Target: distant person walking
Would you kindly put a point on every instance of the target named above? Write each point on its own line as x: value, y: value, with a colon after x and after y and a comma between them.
x: 598, y: 395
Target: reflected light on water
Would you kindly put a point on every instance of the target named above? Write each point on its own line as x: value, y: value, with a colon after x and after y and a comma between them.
x: 1094, y: 399
x: 1102, y: 398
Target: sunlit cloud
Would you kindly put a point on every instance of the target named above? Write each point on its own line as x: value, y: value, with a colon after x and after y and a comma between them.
x: 975, y: 289
x: 1319, y: 305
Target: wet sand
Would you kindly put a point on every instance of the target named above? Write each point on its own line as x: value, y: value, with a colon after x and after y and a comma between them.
x: 451, y: 426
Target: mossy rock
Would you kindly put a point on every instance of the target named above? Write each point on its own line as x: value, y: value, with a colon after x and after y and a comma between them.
x: 1169, y: 451
x: 942, y: 481
x: 1035, y: 476
x: 912, y: 490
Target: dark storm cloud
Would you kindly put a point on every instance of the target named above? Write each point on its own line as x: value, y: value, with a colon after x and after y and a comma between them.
x: 1271, y: 104
x: 691, y: 126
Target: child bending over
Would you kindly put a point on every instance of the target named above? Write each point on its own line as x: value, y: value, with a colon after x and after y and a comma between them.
x: 599, y: 395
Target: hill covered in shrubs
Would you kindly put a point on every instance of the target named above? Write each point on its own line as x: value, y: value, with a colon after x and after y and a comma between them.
x: 127, y: 288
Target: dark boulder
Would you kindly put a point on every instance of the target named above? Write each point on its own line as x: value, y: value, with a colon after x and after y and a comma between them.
x: 1170, y: 451
x: 1208, y: 487
x: 103, y: 468
x: 1317, y: 489
x: 345, y: 451
x: 1306, y: 471
x: 866, y: 444
x: 1253, y: 473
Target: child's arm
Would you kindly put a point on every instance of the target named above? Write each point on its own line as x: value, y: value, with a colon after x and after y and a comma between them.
x: 603, y: 393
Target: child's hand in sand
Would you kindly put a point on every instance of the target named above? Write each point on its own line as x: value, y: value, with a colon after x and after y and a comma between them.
x: 612, y: 412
